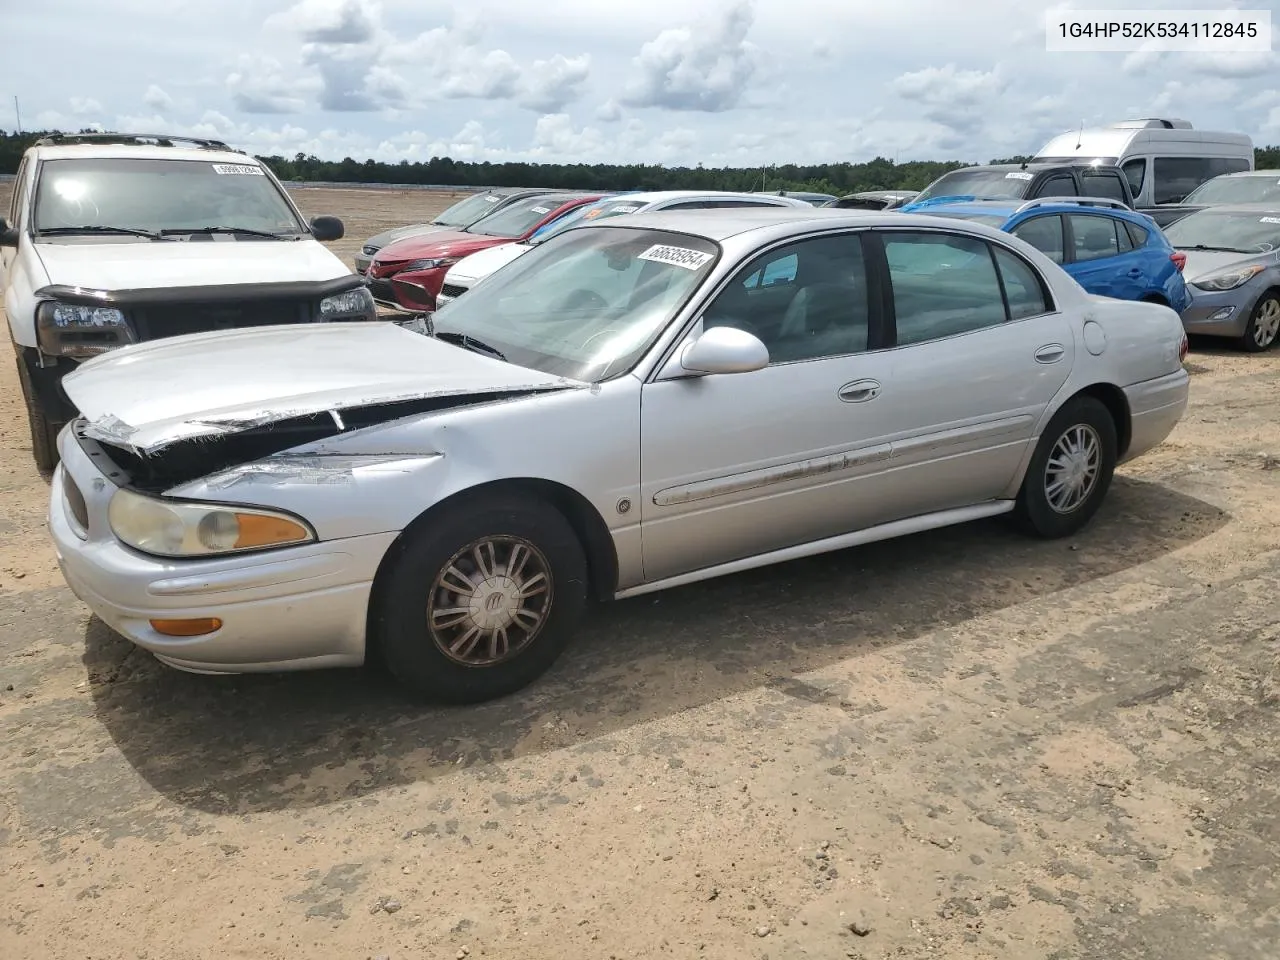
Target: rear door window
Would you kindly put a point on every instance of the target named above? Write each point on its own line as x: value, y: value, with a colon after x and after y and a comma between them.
x: 1104, y: 184
x: 1059, y: 186
x: 1093, y: 237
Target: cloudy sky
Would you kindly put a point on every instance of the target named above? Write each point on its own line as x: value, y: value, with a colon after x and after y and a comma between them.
x: 740, y: 82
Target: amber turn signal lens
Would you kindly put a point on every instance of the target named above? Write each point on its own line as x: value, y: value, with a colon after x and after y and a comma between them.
x: 187, y: 628
x: 257, y: 530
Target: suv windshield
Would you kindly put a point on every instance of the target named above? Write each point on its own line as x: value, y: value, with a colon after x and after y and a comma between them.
x: 978, y: 183
x: 1251, y: 189
x: 517, y: 219
x: 467, y: 211
x: 154, y: 196
x: 584, y: 305
x: 1233, y: 231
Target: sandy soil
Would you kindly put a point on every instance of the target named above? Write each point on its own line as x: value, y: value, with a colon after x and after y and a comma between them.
x: 964, y: 744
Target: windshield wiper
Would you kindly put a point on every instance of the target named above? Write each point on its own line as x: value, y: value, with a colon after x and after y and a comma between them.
x: 469, y: 343
x: 99, y: 228
x: 1201, y: 246
x: 245, y: 230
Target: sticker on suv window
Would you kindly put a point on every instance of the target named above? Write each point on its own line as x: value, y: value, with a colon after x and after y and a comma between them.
x: 1270, y: 220
x: 540, y: 209
x: 1018, y: 175
x: 677, y: 256
x: 625, y: 208
x: 247, y: 169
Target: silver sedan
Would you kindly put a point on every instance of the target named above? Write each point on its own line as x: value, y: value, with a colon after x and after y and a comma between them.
x: 1232, y: 272
x: 630, y: 406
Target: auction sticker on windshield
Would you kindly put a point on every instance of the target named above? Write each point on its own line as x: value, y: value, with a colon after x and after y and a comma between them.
x: 540, y: 209
x: 677, y: 256
x: 1017, y: 175
x: 1270, y: 220
x: 247, y: 169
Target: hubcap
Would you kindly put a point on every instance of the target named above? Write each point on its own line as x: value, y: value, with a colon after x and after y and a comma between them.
x: 490, y: 601
x: 1072, y: 470
x: 1267, y: 325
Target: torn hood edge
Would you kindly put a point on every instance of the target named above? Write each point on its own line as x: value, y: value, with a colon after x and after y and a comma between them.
x: 155, y: 437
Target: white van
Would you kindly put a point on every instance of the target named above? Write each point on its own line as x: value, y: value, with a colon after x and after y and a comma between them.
x: 1164, y: 160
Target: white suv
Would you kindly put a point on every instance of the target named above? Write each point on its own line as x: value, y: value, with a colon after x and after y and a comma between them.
x: 114, y: 239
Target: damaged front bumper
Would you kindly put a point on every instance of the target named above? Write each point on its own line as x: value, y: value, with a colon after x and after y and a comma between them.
x: 293, y: 608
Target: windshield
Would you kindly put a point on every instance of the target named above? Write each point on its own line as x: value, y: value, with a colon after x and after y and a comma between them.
x: 1220, y: 230
x: 159, y: 195
x: 978, y: 183
x: 585, y: 305
x: 992, y: 219
x: 466, y: 212
x: 517, y: 219
x: 588, y: 212
x: 1236, y: 190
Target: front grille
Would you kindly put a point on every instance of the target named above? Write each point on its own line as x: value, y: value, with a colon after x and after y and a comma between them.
x: 453, y: 291
x: 174, y: 319
x: 381, y: 290
x: 75, y: 501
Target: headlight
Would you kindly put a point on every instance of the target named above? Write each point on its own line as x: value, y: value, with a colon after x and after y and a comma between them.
x: 429, y: 264
x: 354, y: 304
x: 1227, y: 281
x: 175, y: 529
x: 80, y: 330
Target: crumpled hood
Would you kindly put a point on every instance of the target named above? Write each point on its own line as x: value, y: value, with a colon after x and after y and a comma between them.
x: 148, y: 395
x: 1204, y: 263
x: 474, y: 268
x: 135, y: 266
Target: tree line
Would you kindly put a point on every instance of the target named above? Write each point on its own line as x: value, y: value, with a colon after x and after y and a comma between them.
x: 834, y: 178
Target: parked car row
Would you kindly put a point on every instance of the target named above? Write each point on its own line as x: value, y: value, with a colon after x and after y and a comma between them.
x: 760, y: 377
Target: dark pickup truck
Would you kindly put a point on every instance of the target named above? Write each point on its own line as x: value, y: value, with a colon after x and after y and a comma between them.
x: 1030, y: 181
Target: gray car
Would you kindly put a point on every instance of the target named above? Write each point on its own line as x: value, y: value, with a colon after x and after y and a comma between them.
x: 1232, y: 272
x: 461, y: 215
x: 633, y: 405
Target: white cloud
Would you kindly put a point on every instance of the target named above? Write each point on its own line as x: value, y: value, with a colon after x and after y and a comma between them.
x: 260, y: 84
x: 609, y: 112
x: 85, y: 106
x: 156, y: 98
x: 707, y: 67
x: 551, y: 84
x: 331, y: 21
x: 957, y: 99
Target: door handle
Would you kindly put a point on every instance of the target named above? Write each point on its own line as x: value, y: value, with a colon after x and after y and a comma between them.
x: 1050, y: 353
x: 860, y: 391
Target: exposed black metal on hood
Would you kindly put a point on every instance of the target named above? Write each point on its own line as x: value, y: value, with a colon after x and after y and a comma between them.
x: 186, y: 460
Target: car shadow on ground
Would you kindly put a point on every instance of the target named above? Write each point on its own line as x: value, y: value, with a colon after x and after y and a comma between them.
x: 252, y: 743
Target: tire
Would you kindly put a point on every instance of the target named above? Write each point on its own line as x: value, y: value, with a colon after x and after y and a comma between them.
x: 1082, y: 418
x: 44, y: 432
x: 414, y: 621
x: 1264, y: 324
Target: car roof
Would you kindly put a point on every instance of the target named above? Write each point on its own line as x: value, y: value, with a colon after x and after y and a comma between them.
x: 126, y: 151
x: 719, y: 225
x: 1265, y: 207
x: 1248, y: 173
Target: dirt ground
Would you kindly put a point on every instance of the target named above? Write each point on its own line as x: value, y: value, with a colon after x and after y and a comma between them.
x: 963, y: 744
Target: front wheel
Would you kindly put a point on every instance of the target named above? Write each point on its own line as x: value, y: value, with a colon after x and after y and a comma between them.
x: 1264, y: 324
x: 1070, y: 471
x: 44, y: 432
x: 482, y: 600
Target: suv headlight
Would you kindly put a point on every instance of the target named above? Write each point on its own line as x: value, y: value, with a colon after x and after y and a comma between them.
x: 80, y: 330
x: 1229, y: 280
x: 435, y: 264
x: 176, y: 529
x: 354, y: 304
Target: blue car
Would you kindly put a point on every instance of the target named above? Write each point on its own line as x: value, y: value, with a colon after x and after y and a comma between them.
x: 1109, y: 250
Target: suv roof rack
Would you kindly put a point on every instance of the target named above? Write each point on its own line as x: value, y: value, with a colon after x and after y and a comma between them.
x: 151, y: 139
x: 1082, y: 201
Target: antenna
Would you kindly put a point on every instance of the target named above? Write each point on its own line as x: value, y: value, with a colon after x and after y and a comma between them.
x: 1080, y: 135
x: 17, y: 114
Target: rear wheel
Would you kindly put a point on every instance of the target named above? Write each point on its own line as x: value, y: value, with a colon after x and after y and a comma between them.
x: 1264, y: 324
x: 1070, y: 471
x: 482, y: 600
x: 44, y: 432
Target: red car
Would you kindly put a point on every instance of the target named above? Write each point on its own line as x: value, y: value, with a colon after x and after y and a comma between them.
x: 408, y: 273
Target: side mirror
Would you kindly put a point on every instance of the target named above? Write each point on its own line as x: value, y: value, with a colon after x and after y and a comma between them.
x: 327, y: 228
x: 8, y: 234
x: 725, y: 350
